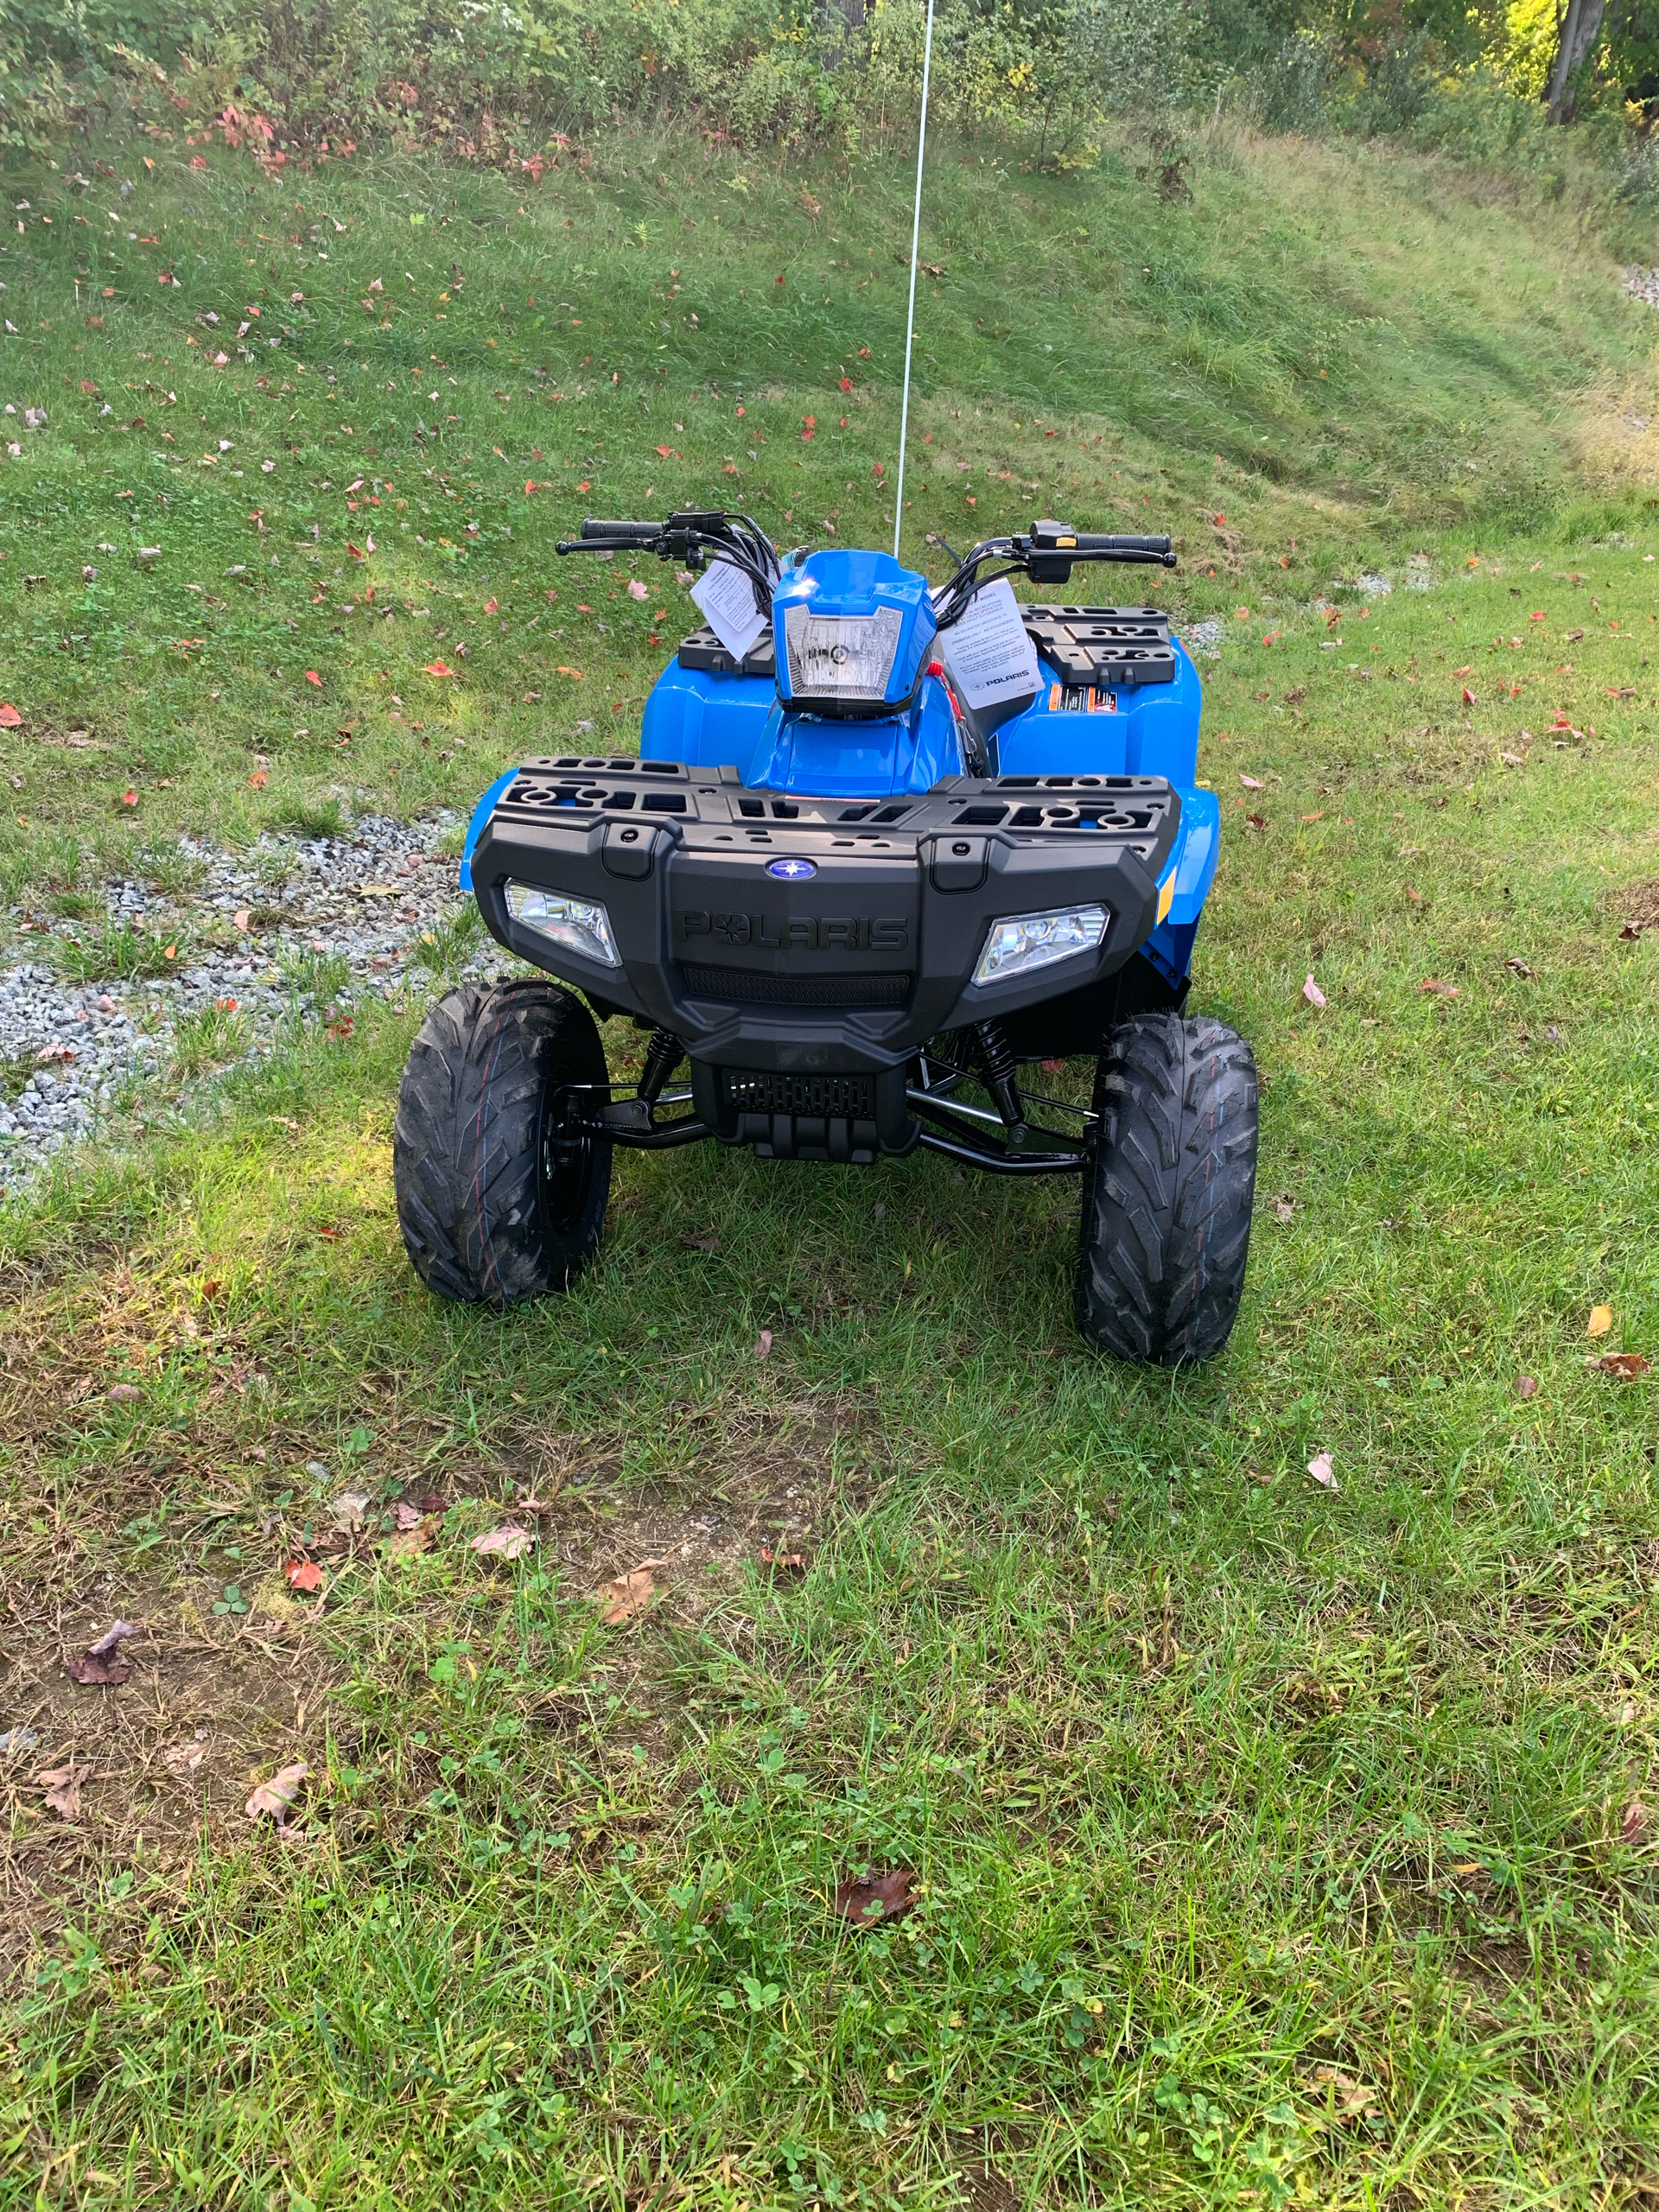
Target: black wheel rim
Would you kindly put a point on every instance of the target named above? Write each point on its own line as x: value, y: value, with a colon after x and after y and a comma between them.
x: 567, y: 1167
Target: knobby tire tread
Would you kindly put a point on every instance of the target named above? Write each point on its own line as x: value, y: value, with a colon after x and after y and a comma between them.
x: 466, y: 1158
x: 1166, y: 1206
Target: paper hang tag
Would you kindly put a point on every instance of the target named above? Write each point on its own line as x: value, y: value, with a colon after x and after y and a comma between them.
x: 990, y: 657
x: 726, y: 598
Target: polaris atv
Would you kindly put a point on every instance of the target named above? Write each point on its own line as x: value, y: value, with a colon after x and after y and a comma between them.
x: 887, y: 846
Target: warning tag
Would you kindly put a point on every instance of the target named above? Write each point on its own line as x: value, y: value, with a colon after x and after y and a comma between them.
x: 990, y: 657
x: 726, y: 600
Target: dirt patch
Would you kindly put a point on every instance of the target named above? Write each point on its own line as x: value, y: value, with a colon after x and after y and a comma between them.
x: 152, y: 1757
x: 1639, y: 908
x: 747, y: 1483
x: 1496, y: 1965
x: 984, y: 2189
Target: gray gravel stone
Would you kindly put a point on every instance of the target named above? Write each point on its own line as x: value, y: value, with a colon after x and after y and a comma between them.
x: 359, y: 902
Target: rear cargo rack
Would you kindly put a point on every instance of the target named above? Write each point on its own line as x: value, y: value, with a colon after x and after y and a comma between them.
x: 1102, y: 648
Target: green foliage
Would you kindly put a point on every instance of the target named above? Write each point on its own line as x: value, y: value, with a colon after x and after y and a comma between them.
x: 116, y: 953
x: 209, y: 1038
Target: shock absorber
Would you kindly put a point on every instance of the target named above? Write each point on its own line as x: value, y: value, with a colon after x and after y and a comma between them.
x: 995, y: 1059
x: 663, y: 1055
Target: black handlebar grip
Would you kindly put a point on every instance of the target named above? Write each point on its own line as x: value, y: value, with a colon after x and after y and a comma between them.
x: 1096, y: 543
x: 622, y: 533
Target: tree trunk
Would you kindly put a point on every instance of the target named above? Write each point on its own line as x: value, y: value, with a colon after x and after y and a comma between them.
x: 1581, y: 28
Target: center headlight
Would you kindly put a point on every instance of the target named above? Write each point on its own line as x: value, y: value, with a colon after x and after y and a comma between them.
x: 578, y: 925
x: 841, y: 656
x: 1020, y: 943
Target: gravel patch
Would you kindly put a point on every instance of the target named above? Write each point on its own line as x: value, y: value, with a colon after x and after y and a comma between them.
x: 1642, y: 284
x: 1206, y: 636
x: 294, y: 927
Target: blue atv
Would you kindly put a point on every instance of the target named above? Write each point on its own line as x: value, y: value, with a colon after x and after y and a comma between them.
x: 888, y: 847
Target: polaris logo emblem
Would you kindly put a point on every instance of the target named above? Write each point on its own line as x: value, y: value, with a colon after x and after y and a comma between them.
x: 793, y: 871
x: 800, y: 932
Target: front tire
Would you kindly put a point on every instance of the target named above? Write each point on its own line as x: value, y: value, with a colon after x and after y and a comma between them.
x: 498, y: 1200
x: 1166, y: 1200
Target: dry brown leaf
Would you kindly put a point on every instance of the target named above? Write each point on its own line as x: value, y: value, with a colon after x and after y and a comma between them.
x: 410, y: 1543
x: 101, y: 1663
x: 278, y: 1796
x: 873, y: 1897
x: 62, y: 1787
x: 1526, y: 1386
x: 1284, y: 1206
x: 1352, y: 2101
x: 626, y: 1595
x: 1623, y: 1366
x: 1634, y: 1826
x: 1600, y: 1321
x: 507, y: 1541
x: 183, y: 1758
x: 763, y: 1344
x: 1436, y: 989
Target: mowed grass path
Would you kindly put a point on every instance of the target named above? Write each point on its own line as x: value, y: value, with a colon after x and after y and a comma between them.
x: 1274, y: 1844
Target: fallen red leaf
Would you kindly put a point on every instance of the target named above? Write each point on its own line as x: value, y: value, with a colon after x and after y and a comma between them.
x: 781, y: 1562
x: 9, y: 717
x: 311, y: 676
x: 438, y: 668
x: 1436, y: 989
x: 873, y: 1897
x: 303, y: 1575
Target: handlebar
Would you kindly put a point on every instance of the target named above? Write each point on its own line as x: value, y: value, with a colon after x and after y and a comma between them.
x: 622, y: 533
x: 1093, y: 543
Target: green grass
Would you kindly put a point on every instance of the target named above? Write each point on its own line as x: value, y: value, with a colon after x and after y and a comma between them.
x: 1275, y: 1846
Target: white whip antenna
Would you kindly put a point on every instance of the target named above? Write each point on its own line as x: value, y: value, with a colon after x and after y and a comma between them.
x: 915, y: 247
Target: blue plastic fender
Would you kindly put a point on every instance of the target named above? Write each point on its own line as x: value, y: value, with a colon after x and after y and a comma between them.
x: 1200, y: 848
x: 481, y: 814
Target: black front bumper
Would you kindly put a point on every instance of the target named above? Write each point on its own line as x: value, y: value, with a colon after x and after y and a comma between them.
x: 849, y: 970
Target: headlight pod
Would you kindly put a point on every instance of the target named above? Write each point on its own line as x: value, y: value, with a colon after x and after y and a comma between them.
x: 578, y: 925
x: 1017, y: 944
x: 841, y: 656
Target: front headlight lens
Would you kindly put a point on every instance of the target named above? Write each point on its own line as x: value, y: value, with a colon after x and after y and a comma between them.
x: 578, y: 925
x: 841, y: 656
x: 1020, y: 943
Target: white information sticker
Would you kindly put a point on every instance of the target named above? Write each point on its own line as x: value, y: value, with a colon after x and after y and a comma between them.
x: 989, y: 654
x: 727, y: 598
